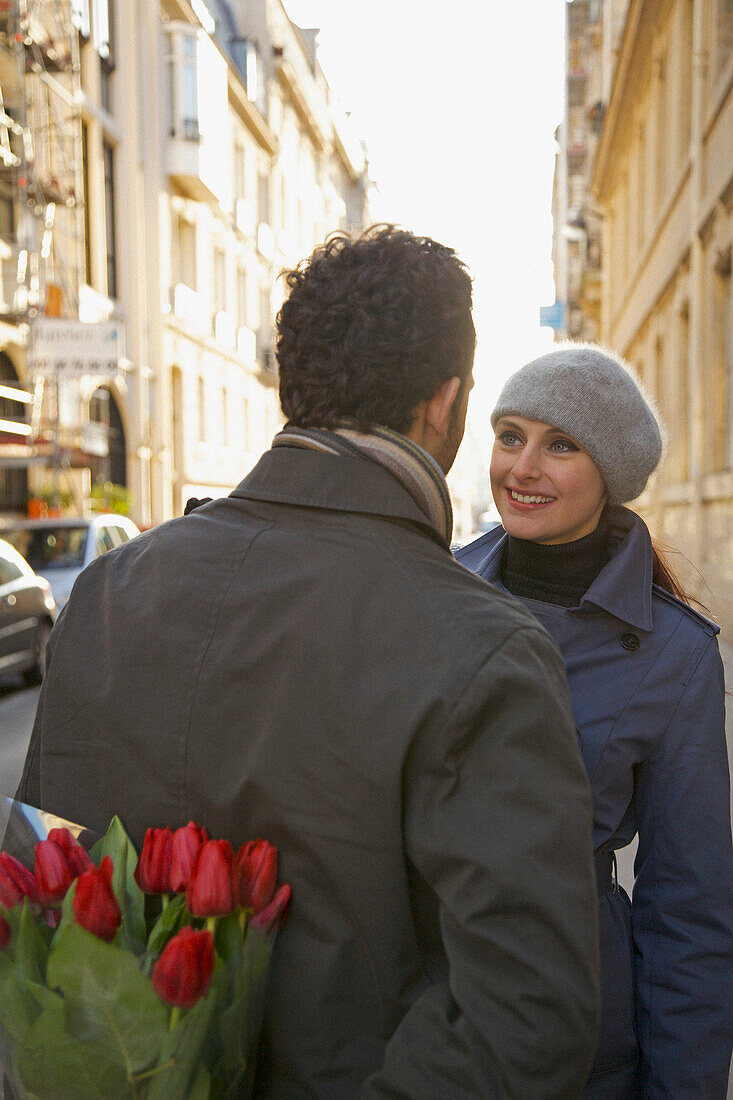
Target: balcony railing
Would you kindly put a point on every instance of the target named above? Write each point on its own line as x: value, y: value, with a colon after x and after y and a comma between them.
x: 225, y: 331
x: 188, y: 306
x: 246, y: 344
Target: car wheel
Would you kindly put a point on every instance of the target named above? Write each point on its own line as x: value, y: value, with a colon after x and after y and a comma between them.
x: 35, y: 674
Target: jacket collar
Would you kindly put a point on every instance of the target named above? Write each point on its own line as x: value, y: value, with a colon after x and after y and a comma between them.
x: 341, y: 483
x: 623, y: 588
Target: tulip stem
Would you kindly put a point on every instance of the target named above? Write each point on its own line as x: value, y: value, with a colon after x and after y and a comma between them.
x: 211, y: 923
x: 166, y: 901
x: 134, y: 1078
x: 175, y: 1017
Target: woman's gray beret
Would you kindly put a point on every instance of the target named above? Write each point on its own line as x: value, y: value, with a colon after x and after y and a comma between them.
x: 592, y: 394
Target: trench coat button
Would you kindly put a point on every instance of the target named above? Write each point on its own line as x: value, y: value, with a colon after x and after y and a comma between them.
x: 630, y: 641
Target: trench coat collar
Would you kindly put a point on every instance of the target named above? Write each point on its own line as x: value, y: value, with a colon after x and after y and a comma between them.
x: 623, y: 588
x: 341, y: 483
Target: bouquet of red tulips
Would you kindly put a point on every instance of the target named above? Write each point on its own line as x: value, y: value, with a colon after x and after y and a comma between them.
x: 126, y: 977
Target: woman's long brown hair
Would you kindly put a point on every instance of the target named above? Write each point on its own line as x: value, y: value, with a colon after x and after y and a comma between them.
x: 664, y: 576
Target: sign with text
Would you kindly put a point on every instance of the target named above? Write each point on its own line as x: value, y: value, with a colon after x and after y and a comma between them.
x: 553, y: 316
x: 73, y: 349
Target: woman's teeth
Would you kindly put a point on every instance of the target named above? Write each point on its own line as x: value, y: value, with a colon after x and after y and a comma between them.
x: 523, y: 498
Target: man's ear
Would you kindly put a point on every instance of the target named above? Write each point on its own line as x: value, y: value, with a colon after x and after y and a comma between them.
x: 438, y: 408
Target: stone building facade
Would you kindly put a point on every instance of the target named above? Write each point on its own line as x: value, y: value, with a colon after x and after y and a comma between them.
x: 660, y: 181
x: 210, y: 156
x: 663, y: 177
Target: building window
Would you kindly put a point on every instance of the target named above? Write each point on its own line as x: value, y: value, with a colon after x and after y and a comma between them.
x: 7, y: 212
x: 241, y: 297
x: 109, y: 217
x: 240, y: 183
x: 249, y: 63
x: 201, y: 403
x: 722, y: 361
x: 640, y: 184
x: 724, y: 37
x: 680, y: 452
x: 185, y: 259
x: 219, y: 282
x: 283, y: 202
x: 189, y: 91
x: 183, y: 100
x: 662, y: 119
x: 264, y: 332
x: 263, y: 199
x: 102, y: 18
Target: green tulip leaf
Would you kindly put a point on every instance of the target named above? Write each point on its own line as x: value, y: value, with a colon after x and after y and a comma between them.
x: 96, y: 853
x: 51, y: 1064
x: 117, y: 845
x: 19, y: 1009
x: 229, y: 938
x: 44, y: 997
x: 9, y: 1059
x: 201, y: 1087
x: 67, y: 913
x: 108, y: 998
x: 31, y: 948
x: 238, y: 1025
x: 183, y: 1048
x: 12, y: 916
x: 256, y: 955
x: 166, y: 925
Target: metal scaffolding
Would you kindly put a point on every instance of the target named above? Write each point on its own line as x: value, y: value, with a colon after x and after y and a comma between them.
x: 41, y: 155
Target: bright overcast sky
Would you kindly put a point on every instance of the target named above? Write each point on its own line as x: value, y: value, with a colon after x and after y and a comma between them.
x: 458, y: 103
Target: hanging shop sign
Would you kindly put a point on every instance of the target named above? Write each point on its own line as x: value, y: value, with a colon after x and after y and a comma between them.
x: 73, y: 349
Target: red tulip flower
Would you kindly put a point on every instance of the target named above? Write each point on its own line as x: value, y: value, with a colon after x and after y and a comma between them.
x: 255, y: 874
x: 182, y: 974
x: 53, y: 873
x: 16, y: 882
x: 153, y: 871
x: 186, y: 844
x: 269, y: 919
x: 4, y: 933
x: 209, y: 892
x: 77, y: 857
x: 95, y: 904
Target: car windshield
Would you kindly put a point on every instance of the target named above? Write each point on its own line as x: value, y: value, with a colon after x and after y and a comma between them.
x: 49, y: 547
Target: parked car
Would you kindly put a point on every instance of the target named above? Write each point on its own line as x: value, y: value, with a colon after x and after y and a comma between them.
x: 58, y: 549
x: 27, y: 613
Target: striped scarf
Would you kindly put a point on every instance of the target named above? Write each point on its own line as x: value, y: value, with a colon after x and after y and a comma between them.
x: 413, y: 467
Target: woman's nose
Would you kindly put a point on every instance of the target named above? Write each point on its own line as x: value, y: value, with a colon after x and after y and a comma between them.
x: 526, y: 464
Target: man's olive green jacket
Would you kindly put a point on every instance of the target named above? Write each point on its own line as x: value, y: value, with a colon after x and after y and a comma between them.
x: 304, y: 661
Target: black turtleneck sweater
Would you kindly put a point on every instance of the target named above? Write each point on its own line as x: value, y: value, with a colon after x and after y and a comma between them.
x: 559, y: 574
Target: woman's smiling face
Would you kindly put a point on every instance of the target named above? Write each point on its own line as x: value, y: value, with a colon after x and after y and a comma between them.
x: 546, y: 487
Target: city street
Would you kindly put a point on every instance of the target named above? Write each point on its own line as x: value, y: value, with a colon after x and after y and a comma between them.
x: 17, y: 711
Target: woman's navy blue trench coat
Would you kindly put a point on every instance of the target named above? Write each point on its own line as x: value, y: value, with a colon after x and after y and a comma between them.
x: 646, y: 682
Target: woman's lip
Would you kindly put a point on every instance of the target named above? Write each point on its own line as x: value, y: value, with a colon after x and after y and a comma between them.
x: 521, y: 506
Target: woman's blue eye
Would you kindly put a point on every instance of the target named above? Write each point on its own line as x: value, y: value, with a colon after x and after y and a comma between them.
x: 510, y: 438
x: 564, y: 446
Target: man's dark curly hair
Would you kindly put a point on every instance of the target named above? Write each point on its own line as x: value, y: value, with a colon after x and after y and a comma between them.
x: 371, y: 327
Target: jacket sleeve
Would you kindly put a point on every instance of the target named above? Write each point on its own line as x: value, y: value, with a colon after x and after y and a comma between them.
x: 681, y: 915
x: 497, y: 819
